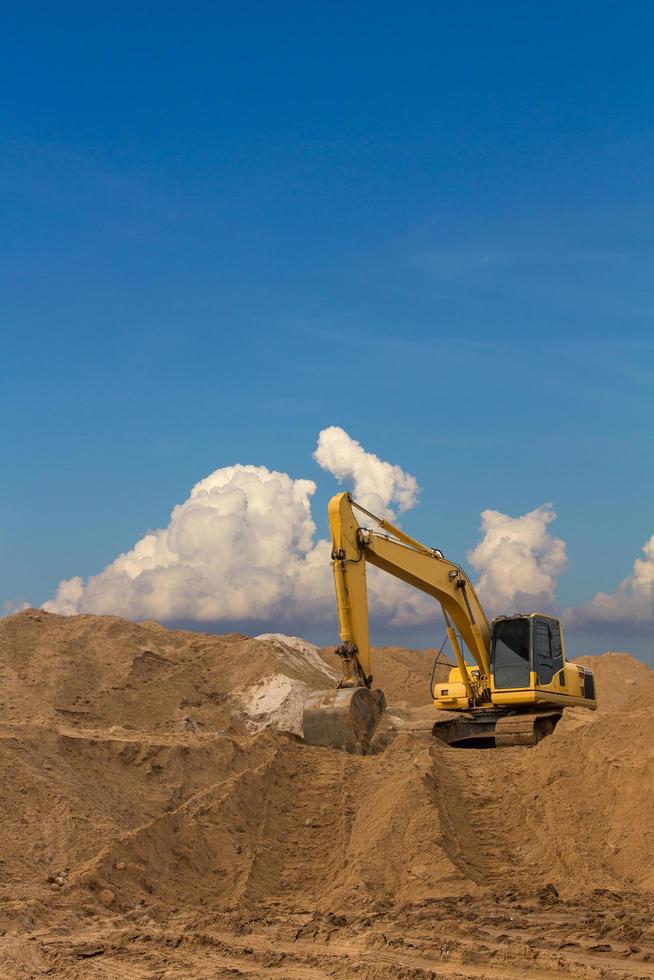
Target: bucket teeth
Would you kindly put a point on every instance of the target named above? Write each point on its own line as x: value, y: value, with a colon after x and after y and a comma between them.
x: 344, y: 719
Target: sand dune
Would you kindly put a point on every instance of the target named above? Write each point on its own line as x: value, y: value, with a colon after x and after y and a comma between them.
x: 162, y: 818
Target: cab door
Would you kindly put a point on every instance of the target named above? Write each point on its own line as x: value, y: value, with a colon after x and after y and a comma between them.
x: 548, y: 657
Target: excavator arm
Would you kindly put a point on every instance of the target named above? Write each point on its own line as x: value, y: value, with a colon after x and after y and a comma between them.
x: 416, y: 564
x: 348, y: 717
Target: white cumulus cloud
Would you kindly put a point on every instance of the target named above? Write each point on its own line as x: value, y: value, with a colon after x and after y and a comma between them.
x: 377, y: 483
x: 240, y: 547
x: 632, y: 603
x: 518, y: 561
x: 243, y: 547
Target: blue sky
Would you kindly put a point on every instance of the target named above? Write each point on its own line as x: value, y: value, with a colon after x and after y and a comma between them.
x: 227, y: 227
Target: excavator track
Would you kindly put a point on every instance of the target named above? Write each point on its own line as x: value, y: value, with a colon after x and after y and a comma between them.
x: 489, y: 728
x: 525, y: 729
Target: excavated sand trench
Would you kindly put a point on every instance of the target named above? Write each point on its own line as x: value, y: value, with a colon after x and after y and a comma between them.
x: 162, y: 818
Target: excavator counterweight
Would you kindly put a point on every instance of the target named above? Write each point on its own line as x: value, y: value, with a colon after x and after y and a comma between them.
x: 514, y: 691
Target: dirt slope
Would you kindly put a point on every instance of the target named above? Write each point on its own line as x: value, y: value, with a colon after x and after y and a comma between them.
x: 161, y: 819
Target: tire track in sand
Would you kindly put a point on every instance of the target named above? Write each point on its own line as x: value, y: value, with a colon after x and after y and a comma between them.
x: 304, y: 831
x: 481, y: 836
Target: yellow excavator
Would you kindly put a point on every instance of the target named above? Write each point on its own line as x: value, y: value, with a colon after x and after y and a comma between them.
x: 513, y: 693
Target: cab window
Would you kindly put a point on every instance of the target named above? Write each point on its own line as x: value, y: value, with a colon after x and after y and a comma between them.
x: 548, y: 655
x: 556, y: 647
x: 510, y: 653
x: 542, y: 653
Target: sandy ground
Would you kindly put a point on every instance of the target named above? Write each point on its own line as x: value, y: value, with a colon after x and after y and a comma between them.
x: 162, y: 818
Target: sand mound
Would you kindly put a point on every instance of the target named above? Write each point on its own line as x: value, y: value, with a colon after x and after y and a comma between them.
x: 153, y: 787
x: 101, y: 671
x: 623, y: 684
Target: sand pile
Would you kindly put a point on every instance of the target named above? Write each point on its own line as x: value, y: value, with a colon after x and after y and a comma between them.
x: 625, y: 684
x: 152, y: 781
x: 101, y: 671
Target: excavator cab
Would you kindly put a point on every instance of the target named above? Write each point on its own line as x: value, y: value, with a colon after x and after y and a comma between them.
x: 529, y: 685
x: 526, y: 651
x: 528, y: 664
x: 528, y: 669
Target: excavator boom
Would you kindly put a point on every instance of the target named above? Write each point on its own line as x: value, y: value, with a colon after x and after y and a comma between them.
x: 407, y: 559
x: 347, y: 718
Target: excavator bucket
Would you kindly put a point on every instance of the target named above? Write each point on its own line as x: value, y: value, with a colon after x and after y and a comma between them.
x: 345, y: 718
